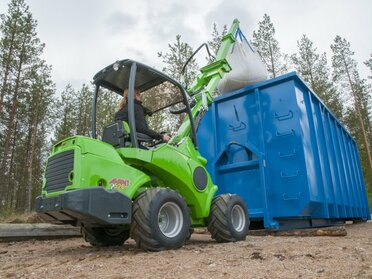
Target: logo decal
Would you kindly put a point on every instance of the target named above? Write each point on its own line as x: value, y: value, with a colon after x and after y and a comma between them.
x: 118, y: 183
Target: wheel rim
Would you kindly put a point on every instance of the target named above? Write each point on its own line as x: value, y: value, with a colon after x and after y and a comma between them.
x: 170, y: 219
x: 238, y: 218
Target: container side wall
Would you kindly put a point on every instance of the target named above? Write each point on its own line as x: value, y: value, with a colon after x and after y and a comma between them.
x: 342, y: 200
x: 350, y: 186
x: 344, y: 174
x: 366, y: 211
x: 315, y: 175
x: 325, y: 154
x: 325, y: 199
x: 230, y: 138
x: 285, y: 172
x: 355, y: 181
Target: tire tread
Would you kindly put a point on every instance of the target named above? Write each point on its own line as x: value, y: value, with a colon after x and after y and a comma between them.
x: 218, y: 224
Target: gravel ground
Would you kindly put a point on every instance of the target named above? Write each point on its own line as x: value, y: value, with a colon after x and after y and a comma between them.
x: 257, y: 257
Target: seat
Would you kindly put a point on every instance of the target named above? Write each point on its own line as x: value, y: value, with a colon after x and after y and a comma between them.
x: 117, y: 134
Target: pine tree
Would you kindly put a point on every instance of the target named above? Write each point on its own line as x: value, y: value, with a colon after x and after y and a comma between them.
x: 67, y: 110
x: 16, y: 28
x: 268, y: 47
x: 39, y: 114
x: 10, y: 26
x: 368, y: 63
x: 74, y: 109
x: 20, y: 68
x: 106, y: 109
x: 174, y: 60
x: 25, y: 99
x: 84, y: 103
x: 313, y: 68
x: 345, y: 72
x: 215, y: 42
x: 362, y: 91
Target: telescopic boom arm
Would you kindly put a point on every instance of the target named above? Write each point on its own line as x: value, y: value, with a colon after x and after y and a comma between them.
x: 207, y: 81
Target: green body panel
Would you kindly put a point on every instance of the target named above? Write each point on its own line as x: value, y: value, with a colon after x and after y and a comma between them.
x: 173, y: 167
x: 97, y: 163
x: 131, y: 171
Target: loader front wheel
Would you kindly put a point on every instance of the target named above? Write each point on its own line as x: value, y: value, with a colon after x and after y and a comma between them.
x: 160, y: 220
x: 228, y: 219
x: 105, y: 236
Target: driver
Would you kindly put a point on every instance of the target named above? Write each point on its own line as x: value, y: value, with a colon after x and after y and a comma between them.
x: 139, y: 115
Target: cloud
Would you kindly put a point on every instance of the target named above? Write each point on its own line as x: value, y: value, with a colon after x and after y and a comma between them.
x: 138, y: 54
x: 117, y: 22
x: 169, y: 20
x: 227, y: 11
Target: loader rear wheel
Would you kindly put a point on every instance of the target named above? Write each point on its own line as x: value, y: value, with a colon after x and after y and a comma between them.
x: 160, y: 220
x: 228, y: 220
x: 101, y: 236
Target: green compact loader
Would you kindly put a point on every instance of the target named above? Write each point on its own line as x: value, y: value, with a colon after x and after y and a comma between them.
x: 126, y: 185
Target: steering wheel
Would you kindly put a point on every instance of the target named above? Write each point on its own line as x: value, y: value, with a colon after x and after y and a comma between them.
x: 156, y: 142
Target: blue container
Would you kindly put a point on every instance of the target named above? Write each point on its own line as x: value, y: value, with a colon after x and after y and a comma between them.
x: 277, y: 145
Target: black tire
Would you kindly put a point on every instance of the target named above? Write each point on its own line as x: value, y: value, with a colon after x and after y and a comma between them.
x: 160, y: 220
x: 102, y: 236
x: 228, y: 219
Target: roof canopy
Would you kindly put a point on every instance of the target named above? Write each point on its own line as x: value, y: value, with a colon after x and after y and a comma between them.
x: 115, y: 77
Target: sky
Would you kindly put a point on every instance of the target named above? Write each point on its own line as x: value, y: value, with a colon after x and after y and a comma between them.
x: 83, y: 36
